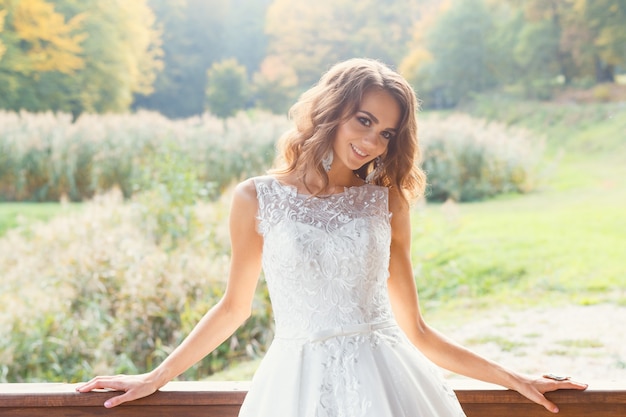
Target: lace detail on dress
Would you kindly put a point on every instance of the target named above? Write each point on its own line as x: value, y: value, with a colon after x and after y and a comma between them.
x: 339, y: 393
x: 326, y: 261
x: 326, y: 264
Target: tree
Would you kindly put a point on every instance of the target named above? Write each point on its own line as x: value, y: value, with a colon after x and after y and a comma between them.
x: 197, y: 33
x: 39, y: 45
x: 311, y: 39
x: 275, y: 85
x: 124, y: 52
x: 415, y: 64
x: 536, y: 55
x: 245, y: 38
x: 458, y: 55
x: 77, y: 55
x: 193, y: 33
x: 49, y: 42
x: 3, y: 14
x: 605, y: 48
x: 591, y: 34
x: 227, y: 88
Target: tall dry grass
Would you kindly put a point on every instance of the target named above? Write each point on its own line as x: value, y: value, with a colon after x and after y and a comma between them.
x: 45, y: 156
x: 468, y: 159
x: 93, y: 293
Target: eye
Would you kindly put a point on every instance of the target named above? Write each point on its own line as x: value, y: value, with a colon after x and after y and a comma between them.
x: 364, y: 121
x: 387, y: 135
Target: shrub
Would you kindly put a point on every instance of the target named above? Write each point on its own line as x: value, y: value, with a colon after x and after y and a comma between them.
x: 46, y: 156
x: 92, y: 293
x: 468, y: 159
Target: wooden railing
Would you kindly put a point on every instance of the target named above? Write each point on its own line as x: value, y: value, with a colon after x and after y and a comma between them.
x: 223, y: 399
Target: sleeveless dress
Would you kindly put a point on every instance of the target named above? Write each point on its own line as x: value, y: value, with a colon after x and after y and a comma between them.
x: 337, y: 350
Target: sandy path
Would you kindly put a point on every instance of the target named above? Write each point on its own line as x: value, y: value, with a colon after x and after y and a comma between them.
x: 585, y: 342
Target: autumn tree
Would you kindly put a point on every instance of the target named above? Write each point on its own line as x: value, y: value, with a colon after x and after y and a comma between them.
x: 312, y: 38
x: 275, y: 85
x: 39, y: 45
x: 77, y: 56
x: 602, y: 43
x: 457, y: 55
x: 591, y: 34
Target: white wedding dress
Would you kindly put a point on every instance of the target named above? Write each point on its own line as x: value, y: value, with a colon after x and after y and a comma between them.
x: 337, y: 351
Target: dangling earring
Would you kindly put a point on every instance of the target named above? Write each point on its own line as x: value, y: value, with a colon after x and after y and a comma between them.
x: 375, y: 173
x: 328, y: 160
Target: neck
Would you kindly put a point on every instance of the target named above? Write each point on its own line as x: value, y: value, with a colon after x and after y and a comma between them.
x: 338, y: 180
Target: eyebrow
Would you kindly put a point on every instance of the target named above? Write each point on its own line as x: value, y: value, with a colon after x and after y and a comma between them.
x: 376, y: 120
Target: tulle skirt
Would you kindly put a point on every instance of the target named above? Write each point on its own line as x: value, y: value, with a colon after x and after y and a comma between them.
x: 372, y: 374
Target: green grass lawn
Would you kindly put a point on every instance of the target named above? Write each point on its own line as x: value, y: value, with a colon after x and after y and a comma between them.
x: 565, y: 242
x: 15, y: 214
x: 527, y: 250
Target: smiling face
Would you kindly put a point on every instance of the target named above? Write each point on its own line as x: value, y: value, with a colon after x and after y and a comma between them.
x: 366, y: 134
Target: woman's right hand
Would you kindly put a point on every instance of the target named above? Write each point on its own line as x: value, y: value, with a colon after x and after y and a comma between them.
x: 133, y: 386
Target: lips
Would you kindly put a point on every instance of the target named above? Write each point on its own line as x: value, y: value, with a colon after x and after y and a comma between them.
x: 359, y: 151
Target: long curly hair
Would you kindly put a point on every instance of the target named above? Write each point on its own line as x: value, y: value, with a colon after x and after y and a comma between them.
x: 333, y: 100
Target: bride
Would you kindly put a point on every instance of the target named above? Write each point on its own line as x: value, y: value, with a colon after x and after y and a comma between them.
x: 330, y: 226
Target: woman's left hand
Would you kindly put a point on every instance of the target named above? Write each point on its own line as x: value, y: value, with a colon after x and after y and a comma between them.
x: 535, y: 388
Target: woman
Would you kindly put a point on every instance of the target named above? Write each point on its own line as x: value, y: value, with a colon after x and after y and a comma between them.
x: 330, y: 226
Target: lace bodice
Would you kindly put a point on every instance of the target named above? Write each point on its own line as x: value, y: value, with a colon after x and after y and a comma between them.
x: 337, y: 351
x: 325, y: 258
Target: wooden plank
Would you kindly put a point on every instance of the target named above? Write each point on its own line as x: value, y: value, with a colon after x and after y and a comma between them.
x: 125, y: 411
x: 223, y: 399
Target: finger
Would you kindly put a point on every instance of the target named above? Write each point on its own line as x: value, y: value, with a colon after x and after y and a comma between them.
x: 102, y: 383
x: 565, y: 385
x: 117, y: 400
x: 537, y: 396
x: 575, y: 385
x: 550, y: 406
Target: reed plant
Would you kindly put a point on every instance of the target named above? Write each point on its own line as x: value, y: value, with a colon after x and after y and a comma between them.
x: 46, y: 156
x: 92, y: 292
x: 469, y: 159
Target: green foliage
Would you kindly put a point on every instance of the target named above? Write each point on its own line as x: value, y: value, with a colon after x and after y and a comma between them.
x: 311, y: 39
x: 196, y: 34
x: 94, y: 62
x: 103, y: 298
x: 461, y: 62
x: 572, y: 127
x: 227, y: 88
x: 469, y: 159
x: 45, y: 157
x: 192, y: 38
x: 22, y: 214
x: 167, y: 188
x: 275, y: 86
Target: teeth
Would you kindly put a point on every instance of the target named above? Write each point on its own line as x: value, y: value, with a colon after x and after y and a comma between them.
x: 358, y: 151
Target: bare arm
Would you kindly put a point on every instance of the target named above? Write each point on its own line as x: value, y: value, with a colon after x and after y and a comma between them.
x: 438, y: 348
x: 220, y: 321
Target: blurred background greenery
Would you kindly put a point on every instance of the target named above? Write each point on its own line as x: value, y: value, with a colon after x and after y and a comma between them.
x: 124, y: 125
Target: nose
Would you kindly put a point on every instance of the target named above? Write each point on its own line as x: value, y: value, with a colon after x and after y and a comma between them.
x: 371, y: 138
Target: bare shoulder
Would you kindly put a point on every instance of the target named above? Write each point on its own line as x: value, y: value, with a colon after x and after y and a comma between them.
x: 245, y: 197
x: 246, y: 189
x: 397, y: 204
x: 400, y: 216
